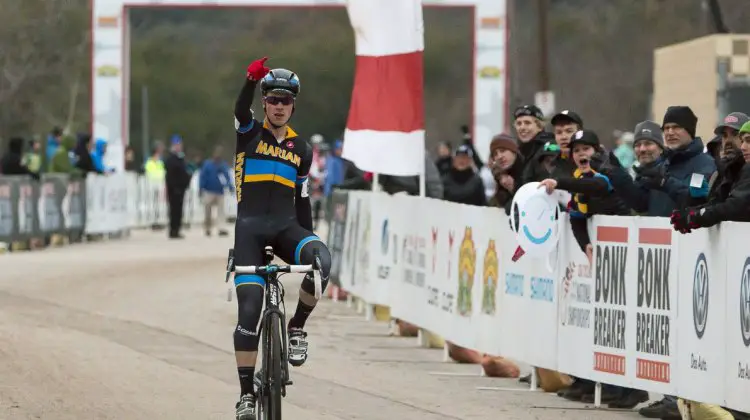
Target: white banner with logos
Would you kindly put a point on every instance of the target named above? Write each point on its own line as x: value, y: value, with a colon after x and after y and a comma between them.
x: 122, y: 201
x: 653, y: 310
x: 737, y: 316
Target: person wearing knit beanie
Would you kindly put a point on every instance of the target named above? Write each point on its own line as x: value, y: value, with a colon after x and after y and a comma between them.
x: 679, y: 126
x: 745, y: 141
x: 503, y: 141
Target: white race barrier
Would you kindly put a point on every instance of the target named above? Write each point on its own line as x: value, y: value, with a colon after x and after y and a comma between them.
x: 658, y: 311
x: 121, y: 201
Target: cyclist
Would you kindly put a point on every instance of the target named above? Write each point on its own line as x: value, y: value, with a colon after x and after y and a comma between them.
x: 273, y: 208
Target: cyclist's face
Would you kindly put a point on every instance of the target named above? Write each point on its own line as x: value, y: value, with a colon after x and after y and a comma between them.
x: 278, y: 107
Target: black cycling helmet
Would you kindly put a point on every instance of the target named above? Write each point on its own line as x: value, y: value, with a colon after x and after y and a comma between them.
x: 280, y: 80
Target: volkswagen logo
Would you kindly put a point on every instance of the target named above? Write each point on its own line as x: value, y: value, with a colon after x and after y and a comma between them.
x: 745, y: 303
x: 700, y: 295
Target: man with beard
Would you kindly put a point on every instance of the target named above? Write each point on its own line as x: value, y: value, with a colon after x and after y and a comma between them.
x: 730, y: 161
x: 461, y: 184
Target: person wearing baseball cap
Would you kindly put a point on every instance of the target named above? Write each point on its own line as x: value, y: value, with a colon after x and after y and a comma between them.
x: 730, y: 161
x: 528, y: 120
x: 461, y: 184
x: 732, y: 208
x: 592, y: 193
x: 565, y: 124
x: 729, y: 131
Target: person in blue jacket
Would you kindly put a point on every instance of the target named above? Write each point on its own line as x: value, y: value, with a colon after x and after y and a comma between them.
x: 97, y: 156
x: 213, y: 182
x: 335, y: 169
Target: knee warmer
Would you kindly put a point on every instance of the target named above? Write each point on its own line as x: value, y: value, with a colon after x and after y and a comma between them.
x: 250, y: 305
x: 307, y: 255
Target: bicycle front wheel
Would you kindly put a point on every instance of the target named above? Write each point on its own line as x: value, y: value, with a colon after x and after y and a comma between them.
x: 273, y: 368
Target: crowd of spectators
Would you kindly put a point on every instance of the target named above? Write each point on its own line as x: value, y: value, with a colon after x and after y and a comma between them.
x: 658, y: 169
x: 61, y: 153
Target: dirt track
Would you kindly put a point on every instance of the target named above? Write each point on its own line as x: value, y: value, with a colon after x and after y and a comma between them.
x: 140, y: 329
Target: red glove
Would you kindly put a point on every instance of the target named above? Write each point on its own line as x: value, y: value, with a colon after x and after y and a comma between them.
x: 685, y: 220
x: 257, y: 69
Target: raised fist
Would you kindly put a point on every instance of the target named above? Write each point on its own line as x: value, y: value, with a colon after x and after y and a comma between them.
x: 257, y: 69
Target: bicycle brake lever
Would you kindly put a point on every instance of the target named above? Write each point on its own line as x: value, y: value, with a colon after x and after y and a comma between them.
x: 230, y: 265
x: 316, y: 279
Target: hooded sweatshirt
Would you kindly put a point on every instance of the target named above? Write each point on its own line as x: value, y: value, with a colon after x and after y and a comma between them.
x: 11, y: 163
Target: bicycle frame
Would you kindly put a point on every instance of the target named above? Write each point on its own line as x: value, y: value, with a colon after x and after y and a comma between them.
x: 274, y: 302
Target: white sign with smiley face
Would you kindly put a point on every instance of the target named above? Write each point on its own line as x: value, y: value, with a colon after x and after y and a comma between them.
x: 534, y: 220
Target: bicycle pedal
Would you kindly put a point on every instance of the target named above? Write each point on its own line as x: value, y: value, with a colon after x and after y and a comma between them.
x: 288, y: 383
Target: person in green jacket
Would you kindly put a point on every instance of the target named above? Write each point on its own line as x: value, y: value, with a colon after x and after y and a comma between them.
x: 60, y: 162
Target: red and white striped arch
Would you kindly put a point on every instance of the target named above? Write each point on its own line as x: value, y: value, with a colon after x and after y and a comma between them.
x: 110, y: 60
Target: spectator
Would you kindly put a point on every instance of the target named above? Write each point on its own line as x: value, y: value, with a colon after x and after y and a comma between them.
x: 131, y: 165
x: 83, y: 158
x: 54, y: 139
x: 154, y: 166
x: 507, y: 168
x: 62, y: 161
x: 444, y: 158
x: 529, y: 124
x: 214, y: 182
x: 33, y: 159
x: 565, y: 124
x: 686, y: 171
x: 733, y: 207
x: 462, y: 184
x: 97, y: 156
x: 12, y: 161
x: 177, y: 182
x: 713, y: 148
x: 624, y: 149
x: 592, y: 194
x: 730, y: 161
x: 639, y: 193
x: 336, y: 168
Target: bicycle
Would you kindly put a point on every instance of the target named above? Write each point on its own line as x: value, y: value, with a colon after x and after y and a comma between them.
x: 274, y: 367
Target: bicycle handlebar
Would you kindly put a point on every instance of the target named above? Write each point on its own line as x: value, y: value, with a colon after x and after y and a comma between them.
x: 266, y: 269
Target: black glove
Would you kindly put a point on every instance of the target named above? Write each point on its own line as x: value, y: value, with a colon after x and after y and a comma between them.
x: 654, y: 174
x: 687, y: 219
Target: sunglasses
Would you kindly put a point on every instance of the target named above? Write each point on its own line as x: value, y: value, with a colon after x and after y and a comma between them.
x: 275, y: 100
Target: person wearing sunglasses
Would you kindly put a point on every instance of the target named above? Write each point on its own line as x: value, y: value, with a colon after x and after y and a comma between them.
x: 271, y: 169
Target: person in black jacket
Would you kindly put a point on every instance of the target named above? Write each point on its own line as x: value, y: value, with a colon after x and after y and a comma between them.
x: 529, y: 124
x: 592, y: 194
x: 735, y: 207
x: 178, y: 181
x: 462, y: 184
x: 12, y: 161
x: 730, y: 161
x: 82, y: 152
x: 592, y: 191
x: 565, y: 124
